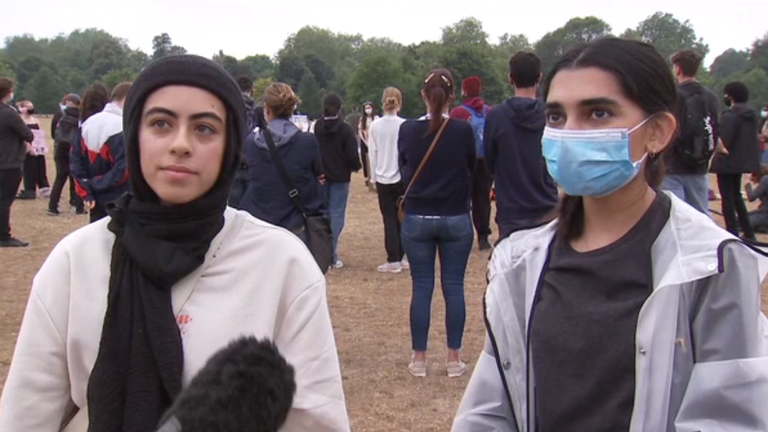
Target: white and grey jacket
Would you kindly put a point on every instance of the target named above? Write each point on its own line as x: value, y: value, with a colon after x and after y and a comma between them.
x: 702, y: 342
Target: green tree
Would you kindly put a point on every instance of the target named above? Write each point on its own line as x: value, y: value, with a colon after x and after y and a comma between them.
x: 311, y: 96
x: 162, y: 46
x: 667, y: 34
x: 118, y: 76
x: 729, y: 63
x: 757, y: 82
x: 372, y: 77
x: 229, y: 63
x: 467, y: 31
x: 758, y: 57
x: 45, y: 89
x: 259, y: 86
x: 258, y: 66
x: 6, y: 68
x: 291, y: 69
x: 577, y: 31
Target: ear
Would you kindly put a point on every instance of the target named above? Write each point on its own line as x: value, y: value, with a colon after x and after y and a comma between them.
x: 662, y: 129
x: 511, y: 81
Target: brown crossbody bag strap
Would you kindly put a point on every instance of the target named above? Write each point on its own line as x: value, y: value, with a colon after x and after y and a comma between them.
x: 401, y: 200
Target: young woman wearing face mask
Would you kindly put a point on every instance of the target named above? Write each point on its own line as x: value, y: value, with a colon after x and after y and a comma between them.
x: 35, y: 172
x: 632, y: 311
x: 369, y: 116
x: 125, y: 311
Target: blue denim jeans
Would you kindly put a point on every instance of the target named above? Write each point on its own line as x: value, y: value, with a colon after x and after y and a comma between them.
x: 692, y: 189
x: 337, y: 195
x: 423, y: 237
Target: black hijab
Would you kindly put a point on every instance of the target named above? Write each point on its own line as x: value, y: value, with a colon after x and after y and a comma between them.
x: 139, y: 367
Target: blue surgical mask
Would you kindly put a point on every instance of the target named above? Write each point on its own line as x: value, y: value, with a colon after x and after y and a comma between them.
x: 590, y: 162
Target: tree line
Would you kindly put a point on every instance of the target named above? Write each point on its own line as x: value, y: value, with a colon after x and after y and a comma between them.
x: 315, y: 61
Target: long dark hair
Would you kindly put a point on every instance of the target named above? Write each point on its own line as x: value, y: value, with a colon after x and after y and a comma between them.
x: 438, y: 89
x: 645, y: 79
x: 95, y: 99
x: 364, y: 121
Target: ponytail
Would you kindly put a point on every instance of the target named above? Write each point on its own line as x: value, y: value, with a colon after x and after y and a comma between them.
x: 438, y: 92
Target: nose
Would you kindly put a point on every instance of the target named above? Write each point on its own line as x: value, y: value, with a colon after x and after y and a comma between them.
x: 180, y: 144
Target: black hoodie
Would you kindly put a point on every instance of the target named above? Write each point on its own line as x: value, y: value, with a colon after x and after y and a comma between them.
x: 525, y: 192
x: 338, y: 149
x: 13, y: 135
x: 738, y: 130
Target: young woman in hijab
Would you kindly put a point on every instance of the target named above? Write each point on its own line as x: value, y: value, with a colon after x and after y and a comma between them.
x: 125, y: 311
x: 633, y: 311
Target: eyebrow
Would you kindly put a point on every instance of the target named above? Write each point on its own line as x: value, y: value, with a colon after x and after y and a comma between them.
x: 600, y: 101
x: 197, y: 116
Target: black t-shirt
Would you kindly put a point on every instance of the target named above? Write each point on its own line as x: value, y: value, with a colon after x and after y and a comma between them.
x: 583, y: 329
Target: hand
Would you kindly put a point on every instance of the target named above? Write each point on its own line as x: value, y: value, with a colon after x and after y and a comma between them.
x: 89, y: 205
x: 721, y: 148
x: 30, y: 150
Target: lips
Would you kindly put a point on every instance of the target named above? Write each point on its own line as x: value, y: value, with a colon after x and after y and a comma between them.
x: 178, y: 170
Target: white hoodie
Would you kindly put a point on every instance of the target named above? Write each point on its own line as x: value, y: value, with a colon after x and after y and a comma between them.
x: 257, y: 279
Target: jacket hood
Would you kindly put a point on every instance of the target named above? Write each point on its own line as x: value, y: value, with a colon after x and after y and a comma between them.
x: 249, y: 103
x: 745, y: 112
x: 72, y: 112
x: 282, y: 131
x: 330, y: 125
x: 476, y: 103
x: 526, y: 113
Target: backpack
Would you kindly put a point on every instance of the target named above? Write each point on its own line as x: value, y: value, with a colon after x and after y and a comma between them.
x: 697, y: 138
x: 250, y: 119
x: 477, y: 120
x: 66, y: 134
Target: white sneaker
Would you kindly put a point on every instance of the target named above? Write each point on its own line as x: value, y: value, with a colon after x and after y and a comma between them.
x: 390, y: 268
x: 405, y: 264
x: 338, y: 264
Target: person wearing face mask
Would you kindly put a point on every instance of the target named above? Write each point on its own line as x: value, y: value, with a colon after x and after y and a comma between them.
x: 125, y: 311
x: 738, y: 133
x: 67, y: 132
x: 369, y: 116
x: 632, y: 311
x: 14, y: 135
x: 35, y: 171
x: 764, y: 134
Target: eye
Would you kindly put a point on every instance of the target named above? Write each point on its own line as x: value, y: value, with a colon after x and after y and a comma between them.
x: 160, y: 124
x: 204, y: 129
x: 599, y: 114
x: 555, y: 119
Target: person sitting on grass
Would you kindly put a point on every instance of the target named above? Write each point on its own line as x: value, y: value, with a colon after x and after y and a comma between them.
x: 759, y: 217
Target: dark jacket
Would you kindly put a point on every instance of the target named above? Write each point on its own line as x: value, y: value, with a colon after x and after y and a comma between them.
x: 676, y: 165
x: 525, y: 192
x: 97, y: 159
x: 266, y: 196
x: 13, y: 136
x: 353, y: 120
x: 738, y: 130
x: 67, y: 132
x: 338, y: 149
x: 55, y: 122
x: 442, y: 188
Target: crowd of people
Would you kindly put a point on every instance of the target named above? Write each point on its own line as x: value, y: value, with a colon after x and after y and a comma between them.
x: 614, y: 302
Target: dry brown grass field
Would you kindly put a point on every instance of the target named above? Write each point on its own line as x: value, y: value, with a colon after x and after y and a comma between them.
x: 369, y: 310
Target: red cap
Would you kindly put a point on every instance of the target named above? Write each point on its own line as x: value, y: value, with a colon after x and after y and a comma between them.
x: 471, y: 86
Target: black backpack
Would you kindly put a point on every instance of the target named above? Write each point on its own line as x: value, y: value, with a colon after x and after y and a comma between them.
x: 697, y: 131
x: 66, y: 134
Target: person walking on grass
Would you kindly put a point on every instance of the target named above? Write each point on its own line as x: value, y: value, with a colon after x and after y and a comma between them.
x: 474, y: 110
x: 126, y: 311
x: 67, y: 132
x: 14, y: 139
x: 437, y: 216
x: 98, y: 158
x: 385, y: 174
x: 738, y: 132
x: 35, y: 170
x: 338, y: 151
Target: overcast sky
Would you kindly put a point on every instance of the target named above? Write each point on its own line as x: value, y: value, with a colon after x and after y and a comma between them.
x: 242, y: 27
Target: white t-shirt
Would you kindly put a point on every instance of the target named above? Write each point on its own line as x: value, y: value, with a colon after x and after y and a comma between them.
x: 257, y: 280
x: 382, y: 146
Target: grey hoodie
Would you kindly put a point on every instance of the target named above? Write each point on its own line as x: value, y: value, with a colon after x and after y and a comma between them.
x: 282, y: 132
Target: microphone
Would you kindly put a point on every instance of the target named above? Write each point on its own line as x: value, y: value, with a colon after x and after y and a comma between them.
x: 245, y: 387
